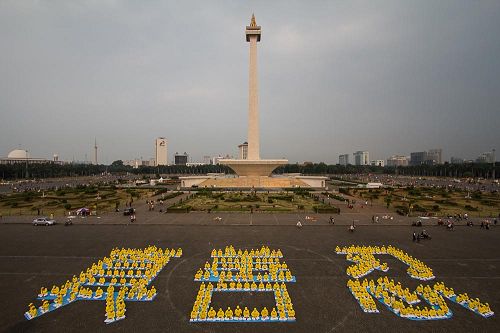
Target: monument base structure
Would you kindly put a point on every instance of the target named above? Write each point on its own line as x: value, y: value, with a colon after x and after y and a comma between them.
x: 253, y: 167
x: 253, y: 182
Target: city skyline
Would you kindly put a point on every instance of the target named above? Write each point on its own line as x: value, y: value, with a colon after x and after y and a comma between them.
x: 335, y: 77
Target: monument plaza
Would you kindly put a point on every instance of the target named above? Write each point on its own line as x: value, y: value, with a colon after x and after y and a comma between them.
x: 284, y: 266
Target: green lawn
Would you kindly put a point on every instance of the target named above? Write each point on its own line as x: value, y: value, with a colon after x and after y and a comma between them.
x: 436, y: 201
x: 266, y: 202
x: 61, y: 201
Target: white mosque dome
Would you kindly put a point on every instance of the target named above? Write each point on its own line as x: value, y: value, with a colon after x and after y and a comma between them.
x: 18, y: 153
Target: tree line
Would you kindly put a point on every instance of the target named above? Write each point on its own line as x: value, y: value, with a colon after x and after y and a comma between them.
x: 51, y: 170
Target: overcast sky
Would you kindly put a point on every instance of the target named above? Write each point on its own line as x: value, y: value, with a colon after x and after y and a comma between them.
x: 390, y: 77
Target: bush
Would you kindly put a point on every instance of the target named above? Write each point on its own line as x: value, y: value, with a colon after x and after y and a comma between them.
x: 326, y: 209
x: 283, y: 197
x: 161, y: 191
x: 451, y: 203
x: 402, y: 210
x: 67, y: 206
x: 435, y: 208
x: 470, y: 208
x: 185, y: 209
x: 337, y: 197
x: 300, y: 191
x: 414, y: 192
x: 90, y: 190
x: 477, y: 195
x: 344, y: 190
x: 418, y: 208
x: 172, y: 195
x: 253, y: 198
x: 233, y: 199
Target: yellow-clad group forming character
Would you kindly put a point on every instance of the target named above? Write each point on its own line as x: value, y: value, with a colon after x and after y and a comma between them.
x: 240, y: 270
x: 393, y: 295
x: 125, y: 275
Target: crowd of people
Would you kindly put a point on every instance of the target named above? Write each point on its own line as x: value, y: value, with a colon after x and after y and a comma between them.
x: 128, y: 270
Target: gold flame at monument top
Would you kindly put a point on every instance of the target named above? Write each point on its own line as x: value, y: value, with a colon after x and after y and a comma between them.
x: 252, y: 21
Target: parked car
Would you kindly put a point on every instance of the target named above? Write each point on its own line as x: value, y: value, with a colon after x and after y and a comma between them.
x: 128, y: 211
x: 43, y: 221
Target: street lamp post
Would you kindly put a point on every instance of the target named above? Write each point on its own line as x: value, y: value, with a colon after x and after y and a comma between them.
x: 493, y: 171
x: 96, y: 201
x: 27, y: 175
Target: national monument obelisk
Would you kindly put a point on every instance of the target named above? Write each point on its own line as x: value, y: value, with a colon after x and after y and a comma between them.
x: 253, y: 165
x: 253, y: 36
x: 253, y: 172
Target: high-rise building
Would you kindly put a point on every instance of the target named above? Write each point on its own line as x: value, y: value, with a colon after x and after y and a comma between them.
x: 181, y: 159
x: 344, y: 159
x: 431, y: 157
x: 418, y: 158
x: 434, y: 156
x: 397, y: 160
x: 457, y: 160
x: 243, y: 151
x: 379, y: 163
x: 161, y: 151
x: 486, y: 157
x: 207, y: 160
x: 361, y: 158
x: 95, y: 151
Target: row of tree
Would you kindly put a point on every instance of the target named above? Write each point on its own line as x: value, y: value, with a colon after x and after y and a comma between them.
x: 50, y: 170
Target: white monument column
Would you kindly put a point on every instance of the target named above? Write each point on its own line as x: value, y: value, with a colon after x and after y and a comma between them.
x: 253, y: 33
x: 253, y: 166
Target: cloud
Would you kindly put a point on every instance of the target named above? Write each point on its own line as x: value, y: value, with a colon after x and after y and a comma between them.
x: 335, y: 77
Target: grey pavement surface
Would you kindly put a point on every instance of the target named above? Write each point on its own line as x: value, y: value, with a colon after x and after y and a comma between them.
x: 31, y: 257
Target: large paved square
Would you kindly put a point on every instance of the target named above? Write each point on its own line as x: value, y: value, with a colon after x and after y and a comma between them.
x: 31, y: 257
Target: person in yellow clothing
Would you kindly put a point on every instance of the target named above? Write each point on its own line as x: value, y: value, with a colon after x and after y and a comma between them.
x: 220, y: 314
x: 194, y: 314
x: 255, y: 314
x: 32, y: 310
x: 274, y: 314
x: 120, y: 313
x: 45, y: 306
x: 237, y: 312
x: 211, y: 314
x: 265, y: 314
x: 110, y: 315
x: 229, y: 314
x: 246, y: 313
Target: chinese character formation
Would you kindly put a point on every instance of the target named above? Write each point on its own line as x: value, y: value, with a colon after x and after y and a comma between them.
x: 398, y: 299
x: 244, y: 271
x: 122, y: 276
